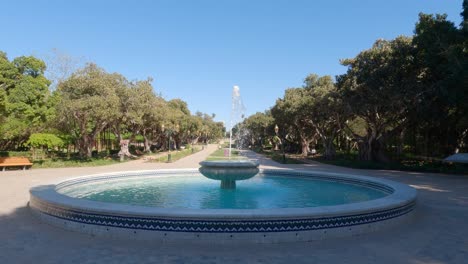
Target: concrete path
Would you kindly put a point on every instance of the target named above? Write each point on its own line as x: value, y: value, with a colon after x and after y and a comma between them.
x: 438, y: 233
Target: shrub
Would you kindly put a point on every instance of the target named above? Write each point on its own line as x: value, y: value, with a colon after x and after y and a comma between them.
x: 43, y: 140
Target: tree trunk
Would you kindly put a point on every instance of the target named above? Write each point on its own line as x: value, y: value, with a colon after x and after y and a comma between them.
x: 329, y: 148
x: 372, y: 149
x: 400, y: 146
x: 85, y: 146
x: 364, y: 150
x: 378, y: 151
x: 305, y: 147
x: 118, y: 133
x: 146, y: 143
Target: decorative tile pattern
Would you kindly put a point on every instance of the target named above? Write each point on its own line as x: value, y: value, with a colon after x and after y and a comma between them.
x: 217, y: 226
x: 57, y: 211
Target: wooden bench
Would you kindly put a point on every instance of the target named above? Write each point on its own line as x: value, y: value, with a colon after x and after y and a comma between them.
x: 14, y: 162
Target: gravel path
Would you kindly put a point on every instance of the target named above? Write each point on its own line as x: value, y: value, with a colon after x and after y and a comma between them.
x: 438, y: 233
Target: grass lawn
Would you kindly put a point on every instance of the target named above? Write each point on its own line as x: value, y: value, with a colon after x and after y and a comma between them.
x: 219, y: 154
x: 61, y: 160
x: 176, y: 155
x: 278, y: 156
x: 62, y: 163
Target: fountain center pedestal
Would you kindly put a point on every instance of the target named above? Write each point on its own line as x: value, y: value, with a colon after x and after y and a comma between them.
x: 228, y: 172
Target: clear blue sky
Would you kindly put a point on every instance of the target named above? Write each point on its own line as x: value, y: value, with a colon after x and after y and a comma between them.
x: 198, y: 49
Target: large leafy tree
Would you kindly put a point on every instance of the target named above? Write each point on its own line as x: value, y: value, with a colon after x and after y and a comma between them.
x: 89, y: 102
x: 7, y: 74
x: 259, y: 126
x: 24, y: 98
x: 291, y: 112
x: 443, y: 62
x: 127, y: 104
x: 379, y: 89
x: 148, y: 112
x: 326, y: 111
x: 311, y: 113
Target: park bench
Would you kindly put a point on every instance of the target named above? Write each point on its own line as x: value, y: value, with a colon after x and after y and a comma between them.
x: 14, y: 162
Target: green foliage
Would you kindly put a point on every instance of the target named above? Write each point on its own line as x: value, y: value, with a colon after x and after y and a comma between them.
x: 399, y: 96
x: 43, y: 140
x: 326, y: 109
x: 30, y: 66
x: 408, y: 164
x: 379, y: 89
x: 24, y: 99
x: 62, y: 162
x: 312, y: 112
x: 26, y: 154
x: 258, y: 127
x: 86, y: 103
x: 442, y: 56
x: 8, y: 72
x: 292, y: 115
x: 89, y: 101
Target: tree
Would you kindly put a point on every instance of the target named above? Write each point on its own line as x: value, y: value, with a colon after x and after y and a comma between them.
x: 23, y: 98
x: 379, y: 89
x: 326, y: 112
x: 442, y: 59
x: 8, y: 73
x: 291, y: 112
x: 127, y: 106
x: 257, y: 127
x: 89, y: 101
x: 147, y: 113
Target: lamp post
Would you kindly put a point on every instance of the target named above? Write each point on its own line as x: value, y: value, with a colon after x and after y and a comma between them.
x: 276, y: 133
x: 282, y: 143
x: 191, y: 141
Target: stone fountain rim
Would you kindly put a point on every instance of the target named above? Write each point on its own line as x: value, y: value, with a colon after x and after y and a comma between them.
x: 401, y: 195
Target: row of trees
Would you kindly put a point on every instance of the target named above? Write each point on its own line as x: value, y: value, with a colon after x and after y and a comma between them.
x: 406, y: 95
x: 87, y: 103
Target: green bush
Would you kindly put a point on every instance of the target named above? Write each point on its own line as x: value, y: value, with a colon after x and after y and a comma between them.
x: 43, y: 140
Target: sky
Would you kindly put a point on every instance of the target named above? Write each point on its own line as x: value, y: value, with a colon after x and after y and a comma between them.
x: 198, y: 50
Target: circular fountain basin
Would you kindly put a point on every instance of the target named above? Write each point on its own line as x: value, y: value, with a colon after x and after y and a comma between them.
x: 169, y: 211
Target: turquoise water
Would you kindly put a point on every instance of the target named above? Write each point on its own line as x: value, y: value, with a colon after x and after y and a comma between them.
x: 198, y: 192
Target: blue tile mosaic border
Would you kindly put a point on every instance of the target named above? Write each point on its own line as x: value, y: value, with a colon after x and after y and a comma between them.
x: 217, y: 226
x: 115, y: 219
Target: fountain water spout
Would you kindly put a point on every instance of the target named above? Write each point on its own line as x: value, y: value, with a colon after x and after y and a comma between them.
x: 237, y: 113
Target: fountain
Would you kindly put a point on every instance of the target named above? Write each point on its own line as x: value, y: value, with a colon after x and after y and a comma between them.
x: 237, y: 113
x: 270, y: 206
x: 229, y: 171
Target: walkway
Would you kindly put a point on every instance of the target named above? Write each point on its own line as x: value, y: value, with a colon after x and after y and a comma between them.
x: 438, y: 234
